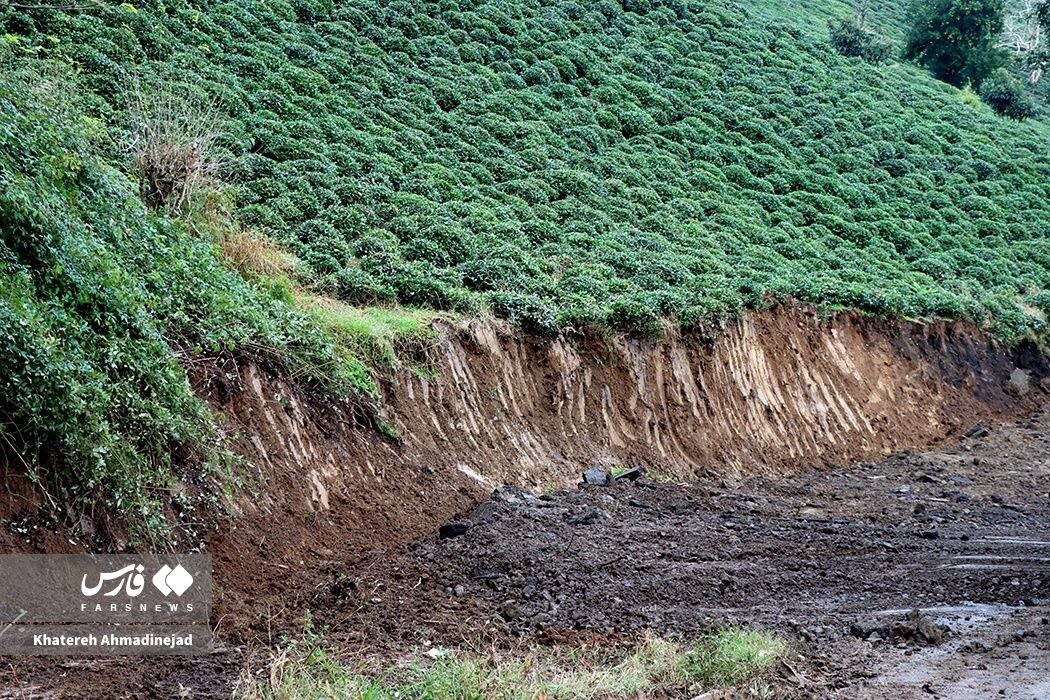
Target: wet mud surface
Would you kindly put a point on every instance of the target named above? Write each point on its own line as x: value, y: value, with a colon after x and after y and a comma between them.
x: 833, y: 559
x: 923, y: 575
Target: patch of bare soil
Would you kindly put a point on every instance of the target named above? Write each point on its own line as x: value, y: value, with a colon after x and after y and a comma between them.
x: 924, y: 575
x: 837, y: 560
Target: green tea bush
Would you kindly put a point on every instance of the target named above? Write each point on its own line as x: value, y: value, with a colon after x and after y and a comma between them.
x: 1006, y: 95
x: 850, y: 38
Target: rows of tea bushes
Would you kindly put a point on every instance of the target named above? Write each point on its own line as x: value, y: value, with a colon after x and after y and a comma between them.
x: 601, y: 163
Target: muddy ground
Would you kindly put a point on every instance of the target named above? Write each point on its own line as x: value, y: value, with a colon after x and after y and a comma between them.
x: 834, y: 560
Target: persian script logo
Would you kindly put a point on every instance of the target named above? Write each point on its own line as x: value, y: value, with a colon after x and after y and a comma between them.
x: 167, y: 580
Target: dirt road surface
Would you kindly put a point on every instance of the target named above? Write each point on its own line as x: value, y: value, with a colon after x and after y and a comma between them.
x: 832, y: 559
x: 924, y: 575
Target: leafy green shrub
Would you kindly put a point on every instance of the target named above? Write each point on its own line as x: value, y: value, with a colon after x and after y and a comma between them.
x: 852, y: 39
x: 956, y: 39
x: 99, y: 300
x: 1006, y: 95
x: 969, y: 97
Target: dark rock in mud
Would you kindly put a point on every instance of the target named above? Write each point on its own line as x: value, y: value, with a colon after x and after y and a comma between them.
x: 977, y: 431
x: 453, y: 529
x: 915, y: 627
x: 587, y: 517
x: 919, y: 628
x: 595, y: 476
x: 865, y: 629
x: 631, y: 474
x: 511, y: 610
x: 513, y: 495
x: 929, y: 631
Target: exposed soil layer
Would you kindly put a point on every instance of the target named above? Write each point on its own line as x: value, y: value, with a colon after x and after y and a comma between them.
x: 775, y: 392
x: 834, y: 560
x: 772, y: 393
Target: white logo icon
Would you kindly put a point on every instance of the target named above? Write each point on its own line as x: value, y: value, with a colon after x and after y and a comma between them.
x: 169, y: 580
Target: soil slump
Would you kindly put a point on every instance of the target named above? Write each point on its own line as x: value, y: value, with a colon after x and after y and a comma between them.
x: 838, y: 561
x: 774, y: 392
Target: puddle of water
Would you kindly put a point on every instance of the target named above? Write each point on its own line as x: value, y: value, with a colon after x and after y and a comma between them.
x: 1029, y: 565
x: 999, y: 556
x: 953, y: 675
x: 975, y: 613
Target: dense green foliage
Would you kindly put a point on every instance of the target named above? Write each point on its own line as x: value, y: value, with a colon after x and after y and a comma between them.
x: 851, y: 38
x: 596, y: 163
x: 1005, y: 94
x: 957, y: 39
x: 94, y: 295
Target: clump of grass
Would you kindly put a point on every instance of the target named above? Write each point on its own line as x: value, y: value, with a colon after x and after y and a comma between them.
x: 387, y: 337
x: 653, y: 475
x: 656, y: 666
x: 732, y: 656
x: 255, y: 255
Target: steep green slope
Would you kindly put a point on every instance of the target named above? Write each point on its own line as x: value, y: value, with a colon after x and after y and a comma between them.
x: 564, y: 164
x: 96, y: 298
x: 596, y: 163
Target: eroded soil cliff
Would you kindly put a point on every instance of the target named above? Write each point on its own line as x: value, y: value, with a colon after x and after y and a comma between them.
x: 326, y: 495
x: 772, y: 393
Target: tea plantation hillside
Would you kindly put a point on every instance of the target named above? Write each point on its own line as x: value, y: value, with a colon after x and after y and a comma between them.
x: 606, y: 164
x: 567, y: 165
